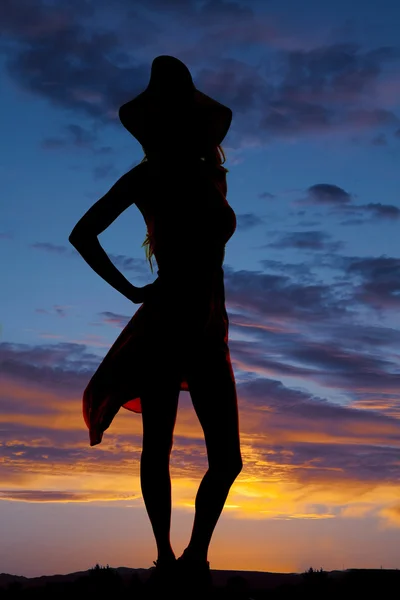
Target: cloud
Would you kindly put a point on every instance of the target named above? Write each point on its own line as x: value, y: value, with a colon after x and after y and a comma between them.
x: 289, y: 325
x: 279, y: 297
x: 125, y: 263
x: 318, y: 463
x: 266, y: 195
x: 105, y: 171
x: 73, y: 68
x: 57, y: 52
x: 248, y: 221
x: 290, y: 353
x: 340, y: 202
x: 357, y: 336
x: 371, y: 213
x: 114, y: 319
x: 282, y: 415
x: 384, y: 211
x: 327, y: 89
x: 392, y: 514
x: 49, y: 247
x: 308, y: 452
x: 39, y: 496
x: 81, y: 136
x: 59, y: 311
x: 32, y: 19
x: 379, y: 277
x: 347, y: 369
x: 64, y: 367
x: 76, y: 137
x: 352, y: 369
x: 300, y: 271
x: 296, y: 443
x: 236, y: 83
x: 327, y: 193
x: 306, y: 240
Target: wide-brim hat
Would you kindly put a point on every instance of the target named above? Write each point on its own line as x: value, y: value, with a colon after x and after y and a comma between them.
x: 172, y: 110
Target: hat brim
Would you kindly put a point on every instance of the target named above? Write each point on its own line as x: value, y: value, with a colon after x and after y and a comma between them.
x: 208, y: 120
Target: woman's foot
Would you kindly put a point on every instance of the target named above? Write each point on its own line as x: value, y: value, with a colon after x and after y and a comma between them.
x: 194, y: 571
x: 162, y: 573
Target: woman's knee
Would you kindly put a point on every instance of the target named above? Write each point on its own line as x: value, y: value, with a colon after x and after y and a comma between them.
x: 235, y: 466
x: 227, y: 469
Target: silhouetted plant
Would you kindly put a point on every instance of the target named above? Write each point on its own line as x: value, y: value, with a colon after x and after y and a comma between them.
x: 104, y: 578
x: 315, y: 577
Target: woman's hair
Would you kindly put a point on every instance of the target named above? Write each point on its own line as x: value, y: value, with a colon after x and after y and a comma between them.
x: 214, y: 158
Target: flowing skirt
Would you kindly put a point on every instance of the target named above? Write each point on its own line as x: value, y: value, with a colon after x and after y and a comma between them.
x: 163, y: 336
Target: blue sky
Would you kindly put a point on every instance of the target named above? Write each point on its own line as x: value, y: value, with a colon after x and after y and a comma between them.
x: 312, y: 277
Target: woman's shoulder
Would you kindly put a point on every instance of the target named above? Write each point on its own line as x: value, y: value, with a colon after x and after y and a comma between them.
x: 140, y: 174
x: 136, y: 172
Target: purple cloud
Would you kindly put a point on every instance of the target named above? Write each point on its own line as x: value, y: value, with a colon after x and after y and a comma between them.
x: 282, y: 408
x: 380, y: 281
x: 57, y: 53
x: 114, y: 319
x: 62, y: 367
x: 306, y: 240
x: 46, y: 496
x: 322, y: 88
x: 278, y: 296
x: 384, y: 211
x: 330, y: 463
x: 327, y: 193
x: 340, y: 202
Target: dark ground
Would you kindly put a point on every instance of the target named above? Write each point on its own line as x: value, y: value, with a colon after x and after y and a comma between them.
x: 130, y: 584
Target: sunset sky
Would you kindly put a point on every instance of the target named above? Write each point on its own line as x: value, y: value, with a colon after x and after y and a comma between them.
x: 312, y: 277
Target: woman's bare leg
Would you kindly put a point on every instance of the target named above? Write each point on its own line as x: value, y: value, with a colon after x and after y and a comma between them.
x: 213, y: 393
x: 159, y: 409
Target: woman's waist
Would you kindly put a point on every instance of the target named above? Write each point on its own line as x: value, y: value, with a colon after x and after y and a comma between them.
x: 202, y: 259
x: 191, y: 276
x: 188, y: 291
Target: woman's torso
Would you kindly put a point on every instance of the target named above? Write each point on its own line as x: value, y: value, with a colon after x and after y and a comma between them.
x: 188, y: 218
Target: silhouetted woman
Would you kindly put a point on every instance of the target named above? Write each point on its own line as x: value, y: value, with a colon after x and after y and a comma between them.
x: 178, y: 338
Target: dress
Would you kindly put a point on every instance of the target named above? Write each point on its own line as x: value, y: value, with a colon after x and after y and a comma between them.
x: 187, y: 315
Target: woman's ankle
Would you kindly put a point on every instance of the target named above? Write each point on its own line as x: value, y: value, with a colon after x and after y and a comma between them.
x: 194, y: 555
x: 166, y: 556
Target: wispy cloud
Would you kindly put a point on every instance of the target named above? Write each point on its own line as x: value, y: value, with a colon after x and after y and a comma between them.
x: 49, y: 247
x: 248, y: 221
x: 306, y: 240
x: 299, y: 87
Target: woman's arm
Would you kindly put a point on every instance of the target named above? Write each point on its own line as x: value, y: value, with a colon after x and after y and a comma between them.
x: 96, y: 257
x: 84, y: 236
